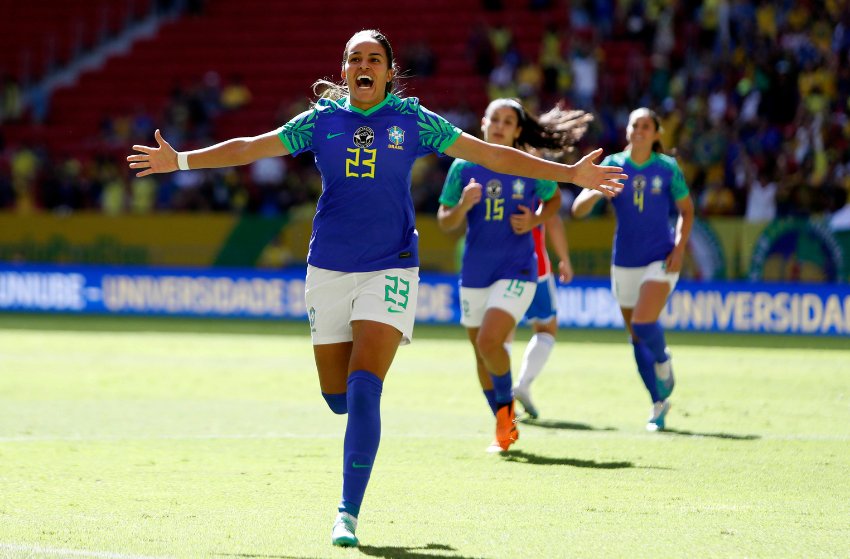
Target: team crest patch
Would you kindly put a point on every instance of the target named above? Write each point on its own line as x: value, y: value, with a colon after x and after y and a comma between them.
x: 396, y: 136
x: 518, y: 188
x: 639, y: 183
x: 312, y: 316
x: 494, y: 188
x: 656, y: 184
x: 363, y: 137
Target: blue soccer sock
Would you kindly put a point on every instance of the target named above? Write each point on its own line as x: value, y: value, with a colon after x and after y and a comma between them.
x: 338, y: 403
x: 491, y: 399
x: 651, y: 334
x: 646, y: 368
x: 503, y: 387
x: 362, y: 435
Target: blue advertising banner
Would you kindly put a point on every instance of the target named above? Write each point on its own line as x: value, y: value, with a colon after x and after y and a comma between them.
x: 815, y: 309
x: 720, y: 307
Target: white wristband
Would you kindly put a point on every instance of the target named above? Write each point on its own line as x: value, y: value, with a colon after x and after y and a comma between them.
x: 183, y: 160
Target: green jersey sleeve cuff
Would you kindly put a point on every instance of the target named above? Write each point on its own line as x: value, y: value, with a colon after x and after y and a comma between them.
x: 447, y: 143
x: 285, y: 141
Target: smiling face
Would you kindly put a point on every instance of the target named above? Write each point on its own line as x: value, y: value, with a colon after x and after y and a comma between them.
x: 642, y: 131
x: 500, y: 125
x: 366, y: 70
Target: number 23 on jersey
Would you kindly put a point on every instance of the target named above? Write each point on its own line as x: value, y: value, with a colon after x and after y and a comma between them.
x: 361, y: 166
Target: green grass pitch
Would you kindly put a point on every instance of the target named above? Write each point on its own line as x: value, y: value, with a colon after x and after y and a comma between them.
x: 129, y: 438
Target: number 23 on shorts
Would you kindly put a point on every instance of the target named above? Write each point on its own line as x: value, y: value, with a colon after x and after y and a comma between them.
x: 395, y: 293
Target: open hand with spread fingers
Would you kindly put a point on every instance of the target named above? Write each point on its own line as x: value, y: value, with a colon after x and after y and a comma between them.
x: 161, y: 159
x: 595, y: 177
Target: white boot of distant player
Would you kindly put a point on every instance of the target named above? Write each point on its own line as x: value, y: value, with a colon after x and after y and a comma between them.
x: 536, y: 354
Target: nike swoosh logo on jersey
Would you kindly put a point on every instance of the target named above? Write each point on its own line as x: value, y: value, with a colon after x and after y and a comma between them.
x: 334, y: 135
x: 394, y: 310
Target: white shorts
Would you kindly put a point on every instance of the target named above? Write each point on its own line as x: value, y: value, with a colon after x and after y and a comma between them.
x: 512, y: 296
x: 334, y: 299
x: 626, y: 282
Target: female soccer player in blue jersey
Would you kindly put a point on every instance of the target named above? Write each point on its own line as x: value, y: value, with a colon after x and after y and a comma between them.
x: 499, y: 270
x: 362, y: 275
x: 648, y: 252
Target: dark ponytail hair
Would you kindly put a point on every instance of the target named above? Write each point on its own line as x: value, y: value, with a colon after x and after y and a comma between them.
x: 323, y: 88
x: 644, y: 111
x: 554, y: 132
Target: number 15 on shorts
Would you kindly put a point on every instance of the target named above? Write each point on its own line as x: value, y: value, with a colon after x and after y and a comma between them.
x: 395, y: 294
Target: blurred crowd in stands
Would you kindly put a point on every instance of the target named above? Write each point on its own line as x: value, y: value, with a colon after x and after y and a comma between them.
x: 754, y: 97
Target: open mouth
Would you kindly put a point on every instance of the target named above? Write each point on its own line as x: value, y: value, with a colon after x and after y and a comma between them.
x: 364, y: 82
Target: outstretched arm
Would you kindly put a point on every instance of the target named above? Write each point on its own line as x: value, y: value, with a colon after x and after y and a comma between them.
x: 511, y: 161
x: 238, y: 151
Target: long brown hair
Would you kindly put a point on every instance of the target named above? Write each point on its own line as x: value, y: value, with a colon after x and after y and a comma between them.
x: 554, y: 132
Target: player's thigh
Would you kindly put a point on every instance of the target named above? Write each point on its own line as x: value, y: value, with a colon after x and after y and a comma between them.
x: 332, y: 365
x: 656, y: 286
x: 374, y: 347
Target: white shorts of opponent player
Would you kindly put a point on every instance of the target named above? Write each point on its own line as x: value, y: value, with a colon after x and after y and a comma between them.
x: 626, y: 282
x: 334, y: 299
x: 512, y: 296
x: 544, y: 306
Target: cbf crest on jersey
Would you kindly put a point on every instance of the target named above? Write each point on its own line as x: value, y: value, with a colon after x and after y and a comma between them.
x: 363, y: 137
x: 518, y: 188
x: 396, y: 136
x: 494, y: 188
x: 657, y: 183
x: 639, y: 183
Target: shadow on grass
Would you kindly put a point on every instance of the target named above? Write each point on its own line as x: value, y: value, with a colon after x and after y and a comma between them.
x: 528, y: 458
x: 401, y: 552
x: 729, y: 436
x: 568, y: 425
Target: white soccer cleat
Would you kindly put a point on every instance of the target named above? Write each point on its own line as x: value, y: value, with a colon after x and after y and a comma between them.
x: 494, y: 448
x: 658, y: 415
x: 342, y: 534
x: 523, y: 396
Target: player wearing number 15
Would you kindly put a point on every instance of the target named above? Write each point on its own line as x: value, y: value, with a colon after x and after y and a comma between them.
x: 499, y: 271
x: 363, y: 262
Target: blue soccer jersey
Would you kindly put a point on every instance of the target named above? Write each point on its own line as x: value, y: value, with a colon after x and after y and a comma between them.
x: 493, y: 251
x: 644, y: 208
x: 365, y: 220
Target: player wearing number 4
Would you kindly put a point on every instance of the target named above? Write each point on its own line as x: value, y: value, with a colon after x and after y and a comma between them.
x: 363, y: 262
x: 648, y: 253
x: 499, y: 270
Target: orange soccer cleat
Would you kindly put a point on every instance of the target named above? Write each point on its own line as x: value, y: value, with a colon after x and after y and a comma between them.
x: 506, y: 430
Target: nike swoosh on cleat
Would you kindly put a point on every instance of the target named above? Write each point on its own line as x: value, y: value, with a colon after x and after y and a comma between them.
x: 334, y: 135
x: 356, y: 465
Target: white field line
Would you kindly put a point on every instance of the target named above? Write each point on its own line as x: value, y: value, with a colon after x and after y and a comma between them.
x: 472, y: 435
x: 23, y: 551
